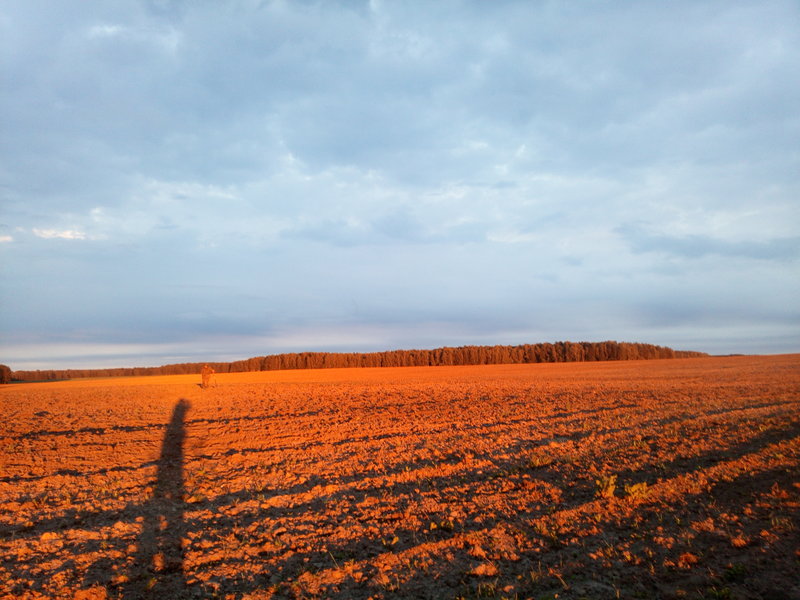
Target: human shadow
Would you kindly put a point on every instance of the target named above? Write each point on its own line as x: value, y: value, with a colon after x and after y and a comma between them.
x: 157, y: 569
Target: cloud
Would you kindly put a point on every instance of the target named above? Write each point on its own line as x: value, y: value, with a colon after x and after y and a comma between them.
x: 699, y: 246
x: 66, y: 234
x: 392, y: 226
x: 105, y: 30
x: 5, y: 239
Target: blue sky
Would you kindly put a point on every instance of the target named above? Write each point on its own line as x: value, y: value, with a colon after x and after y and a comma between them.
x: 188, y: 181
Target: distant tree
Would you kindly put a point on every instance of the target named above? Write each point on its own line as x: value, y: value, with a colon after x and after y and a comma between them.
x: 206, y: 374
x: 5, y: 374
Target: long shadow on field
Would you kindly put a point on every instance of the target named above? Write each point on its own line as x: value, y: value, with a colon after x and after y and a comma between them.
x: 374, y: 505
x: 356, y: 488
x: 579, y: 490
x: 287, y: 559
x: 157, y: 570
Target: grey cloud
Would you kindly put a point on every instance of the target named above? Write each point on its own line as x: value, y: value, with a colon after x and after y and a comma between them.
x: 397, y: 226
x: 335, y: 231
x: 703, y: 311
x: 235, y: 92
x: 698, y: 246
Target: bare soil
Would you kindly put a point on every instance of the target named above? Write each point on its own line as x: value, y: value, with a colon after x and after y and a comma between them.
x: 642, y: 479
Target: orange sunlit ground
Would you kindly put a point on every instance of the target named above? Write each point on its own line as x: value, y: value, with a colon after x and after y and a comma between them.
x: 640, y: 479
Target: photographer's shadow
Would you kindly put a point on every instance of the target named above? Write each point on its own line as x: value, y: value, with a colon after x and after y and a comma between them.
x: 157, y: 570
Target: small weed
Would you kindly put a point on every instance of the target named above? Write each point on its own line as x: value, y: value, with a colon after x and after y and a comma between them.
x: 447, y: 525
x: 781, y: 523
x: 538, y: 461
x: 568, y: 458
x: 40, y: 502
x: 546, y: 531
x: 606, y: 486
x: 538, y: 575
x: 637, y: 491
x: 715, y: 593
x: 487, y: 590
x: 735, y: 572
x: 390, y: 583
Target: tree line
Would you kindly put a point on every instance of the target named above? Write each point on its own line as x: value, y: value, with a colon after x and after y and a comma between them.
x: 462, y: 355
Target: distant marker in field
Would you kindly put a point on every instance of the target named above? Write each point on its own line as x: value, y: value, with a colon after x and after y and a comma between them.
x: 206, y: 375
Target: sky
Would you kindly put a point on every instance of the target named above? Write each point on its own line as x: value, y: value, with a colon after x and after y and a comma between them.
x: 190, y: 181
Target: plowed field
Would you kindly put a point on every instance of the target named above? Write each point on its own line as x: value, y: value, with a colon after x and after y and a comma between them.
x: 645, y: 479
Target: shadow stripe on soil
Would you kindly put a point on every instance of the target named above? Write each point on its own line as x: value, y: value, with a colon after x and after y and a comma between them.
x: 157, y: 570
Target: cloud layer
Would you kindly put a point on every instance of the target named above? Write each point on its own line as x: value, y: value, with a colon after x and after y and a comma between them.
x: 184, y: 180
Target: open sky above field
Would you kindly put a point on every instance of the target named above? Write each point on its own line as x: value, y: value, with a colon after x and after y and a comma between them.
x: 200, y: 180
